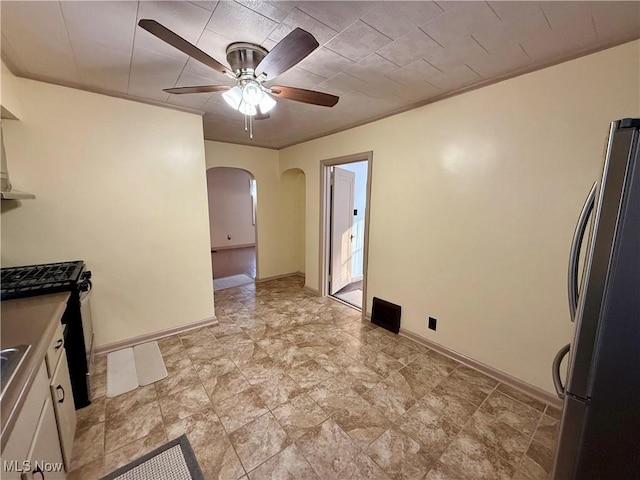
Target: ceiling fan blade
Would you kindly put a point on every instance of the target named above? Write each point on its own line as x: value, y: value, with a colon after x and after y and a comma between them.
x: 166, y: 35
x: 290, y: 50
x: 201, y: 89
x: 259, y: 115
x: 304, y: 96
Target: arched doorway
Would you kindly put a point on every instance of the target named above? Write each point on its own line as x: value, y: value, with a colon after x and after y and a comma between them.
x: 232, y: 195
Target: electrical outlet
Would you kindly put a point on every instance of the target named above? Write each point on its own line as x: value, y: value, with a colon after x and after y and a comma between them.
x: 432, y: 323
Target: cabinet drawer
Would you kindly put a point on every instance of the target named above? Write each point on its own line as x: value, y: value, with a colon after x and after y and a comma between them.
x: 54, y: 351
x: 64, y: 408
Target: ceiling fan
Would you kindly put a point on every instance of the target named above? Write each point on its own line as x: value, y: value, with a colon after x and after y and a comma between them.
x: 251, y: 66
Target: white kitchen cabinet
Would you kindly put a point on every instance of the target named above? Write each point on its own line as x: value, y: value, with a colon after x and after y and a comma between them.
x: 45, y: 457
x: 64, y: 408
x: 34, y: 436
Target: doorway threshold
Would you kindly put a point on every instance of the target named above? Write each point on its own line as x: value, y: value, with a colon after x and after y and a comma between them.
x: 344, y: 302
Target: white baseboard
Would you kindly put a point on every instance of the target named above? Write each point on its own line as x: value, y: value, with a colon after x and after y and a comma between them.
x: 149, y: 337
x: 275, y: 277
x: 499, y: 375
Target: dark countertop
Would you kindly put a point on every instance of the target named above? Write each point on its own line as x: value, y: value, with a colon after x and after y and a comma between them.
x: 31, y: 321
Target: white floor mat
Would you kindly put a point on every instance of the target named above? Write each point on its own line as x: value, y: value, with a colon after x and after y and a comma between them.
x: 129, y: 368
x: 230, y: 282
x: 149, y: 364
x: 121, y: 372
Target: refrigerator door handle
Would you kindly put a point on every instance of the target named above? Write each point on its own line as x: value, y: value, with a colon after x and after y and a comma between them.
x: 574, y: 255
x: 555, y: 372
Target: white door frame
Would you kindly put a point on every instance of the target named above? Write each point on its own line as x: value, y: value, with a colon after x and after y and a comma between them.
x: 325, y: 226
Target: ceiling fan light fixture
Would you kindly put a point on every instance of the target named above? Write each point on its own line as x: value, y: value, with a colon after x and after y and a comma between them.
x: 247, y: 109
x: 233, y: 97
x: 267, y: 103
x: 252, y: 93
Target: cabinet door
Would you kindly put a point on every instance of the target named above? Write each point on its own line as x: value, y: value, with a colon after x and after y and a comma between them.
x: 45, y: 457
x: 64, y: 407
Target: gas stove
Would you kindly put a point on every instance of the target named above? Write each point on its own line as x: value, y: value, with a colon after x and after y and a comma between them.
x: 32, y: 280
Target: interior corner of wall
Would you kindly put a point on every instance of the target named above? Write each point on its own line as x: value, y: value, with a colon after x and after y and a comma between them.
x: 9, y: 97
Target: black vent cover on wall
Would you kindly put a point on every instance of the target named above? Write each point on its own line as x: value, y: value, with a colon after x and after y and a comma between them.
x: 386, y: 314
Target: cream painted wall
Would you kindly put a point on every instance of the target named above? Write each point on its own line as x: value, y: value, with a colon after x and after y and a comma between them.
x: 122, y: 186
x: 230, y: 207
x: 273, y: 257
x: 9, y: 98
x: 474, y: 202
x: 292, y: 205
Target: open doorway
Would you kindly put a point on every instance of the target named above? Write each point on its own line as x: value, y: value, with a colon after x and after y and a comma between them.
x: 232, y: 223
x: 345, y: 227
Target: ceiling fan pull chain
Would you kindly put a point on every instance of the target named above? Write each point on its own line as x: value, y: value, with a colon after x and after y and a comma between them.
x: 245, y: 122
x: 250, y: 127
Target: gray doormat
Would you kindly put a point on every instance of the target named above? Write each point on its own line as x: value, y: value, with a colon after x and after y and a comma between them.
x: 174, y: 460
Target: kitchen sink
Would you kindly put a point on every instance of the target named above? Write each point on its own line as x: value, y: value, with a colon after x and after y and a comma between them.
x: 10, y: 360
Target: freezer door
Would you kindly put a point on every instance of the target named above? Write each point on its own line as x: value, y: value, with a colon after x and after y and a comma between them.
x: 569, y: 440
x: 621, y: 154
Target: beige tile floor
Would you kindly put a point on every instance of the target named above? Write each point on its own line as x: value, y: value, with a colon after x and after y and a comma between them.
x: 292, y: 386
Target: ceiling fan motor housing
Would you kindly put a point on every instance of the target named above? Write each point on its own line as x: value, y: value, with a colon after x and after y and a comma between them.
x: 244, y: 57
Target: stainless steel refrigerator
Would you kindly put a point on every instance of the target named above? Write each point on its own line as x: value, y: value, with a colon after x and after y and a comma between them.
x: 600, y: 428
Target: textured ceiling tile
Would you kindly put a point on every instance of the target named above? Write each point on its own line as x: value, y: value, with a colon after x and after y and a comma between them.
x: 371, y: 67
x: 499, y: 63
x: 616, y: 19
x: 275, y: 10
x: 210, y: 5
x: 102, y: 67
x: 269, y: 44
x: 358, y: 41
x: 520, y: 20
x: 455, y: 53
x: 381, y: 87
x: 38, y: 36
x: 325, y: 63
x: 464, y: 18
x: 420, y: 91
x: 240, y: 23
x: 410, y: 46
x: 567, y: 14
x: 342, y: 83
x: 416, y: 71
x: 394, y: 19
x: 296, y: 77
x: 337, y: 15
x: 554, y: 45
x: 297, y: 18
x: 107, y: 23
x: 455, y: 78
x: 151, y: 72
x: 215, y: 45
x: 183, y: 18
